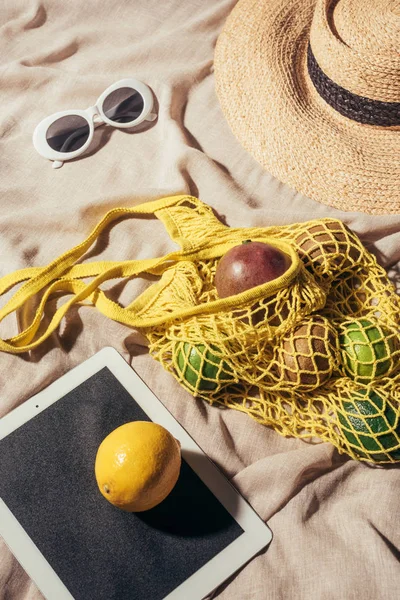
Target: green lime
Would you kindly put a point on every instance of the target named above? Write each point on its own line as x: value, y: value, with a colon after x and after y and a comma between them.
x: 201, y: 368
x: 366, y: 350
x: 370, y: 425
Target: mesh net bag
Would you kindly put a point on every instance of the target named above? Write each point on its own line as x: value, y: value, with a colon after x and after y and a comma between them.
x: 313, y: 353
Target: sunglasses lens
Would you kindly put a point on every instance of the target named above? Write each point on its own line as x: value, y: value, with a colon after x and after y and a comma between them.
x: 123, y: 105
x: 68, y: 134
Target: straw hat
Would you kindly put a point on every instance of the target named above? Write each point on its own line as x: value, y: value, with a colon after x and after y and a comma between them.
x: 312, y: 90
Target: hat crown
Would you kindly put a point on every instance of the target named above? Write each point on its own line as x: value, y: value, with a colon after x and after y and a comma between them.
x: 356, y: 43
x: 367, y: 26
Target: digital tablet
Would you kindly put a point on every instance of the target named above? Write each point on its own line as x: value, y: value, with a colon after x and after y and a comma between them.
x: 76, y: 545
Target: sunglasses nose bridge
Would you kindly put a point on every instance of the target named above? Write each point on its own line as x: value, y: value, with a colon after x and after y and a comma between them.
x: 93, y: 112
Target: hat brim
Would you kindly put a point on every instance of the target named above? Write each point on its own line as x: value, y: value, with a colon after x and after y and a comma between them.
x: 274, y: 110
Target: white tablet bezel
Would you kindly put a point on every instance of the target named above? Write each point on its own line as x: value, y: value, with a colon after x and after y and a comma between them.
x: 256, y: 534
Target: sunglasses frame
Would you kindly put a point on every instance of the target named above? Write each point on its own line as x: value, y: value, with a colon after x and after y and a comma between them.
x: 94, y: 116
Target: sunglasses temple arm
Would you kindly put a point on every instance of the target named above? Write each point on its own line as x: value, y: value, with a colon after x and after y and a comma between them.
x: 151, y: 117
x: 57, y: 164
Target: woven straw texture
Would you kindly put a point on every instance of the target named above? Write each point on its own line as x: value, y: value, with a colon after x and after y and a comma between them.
x: 274, y: 109
x: 313, y: 353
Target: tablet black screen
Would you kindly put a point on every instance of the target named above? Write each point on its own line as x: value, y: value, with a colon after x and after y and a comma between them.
x: 98, y: 551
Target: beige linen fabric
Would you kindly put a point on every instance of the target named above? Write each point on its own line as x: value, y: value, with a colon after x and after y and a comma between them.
x: 334, y: 520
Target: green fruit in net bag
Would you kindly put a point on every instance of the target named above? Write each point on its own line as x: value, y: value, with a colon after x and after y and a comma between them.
x: 371, y: 427
x: 201, y: 368
x: 366, y: 350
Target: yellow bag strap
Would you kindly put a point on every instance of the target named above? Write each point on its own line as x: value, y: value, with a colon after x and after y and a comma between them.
x: 64, y: 275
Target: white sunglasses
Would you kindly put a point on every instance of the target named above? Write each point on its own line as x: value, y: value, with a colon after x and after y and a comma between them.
x: 67, y: 134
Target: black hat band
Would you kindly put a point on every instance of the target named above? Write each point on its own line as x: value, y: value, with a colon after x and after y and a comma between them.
x: 357, y: 108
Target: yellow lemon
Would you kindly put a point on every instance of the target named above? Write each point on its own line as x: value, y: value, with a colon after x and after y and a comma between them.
x: 137, y: 465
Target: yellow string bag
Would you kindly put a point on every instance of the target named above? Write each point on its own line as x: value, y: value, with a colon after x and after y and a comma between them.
x: 314, y: 353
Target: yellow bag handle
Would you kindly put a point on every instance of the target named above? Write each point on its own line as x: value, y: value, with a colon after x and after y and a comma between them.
x: 64, y: 274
